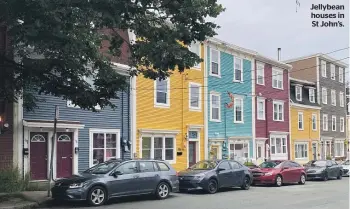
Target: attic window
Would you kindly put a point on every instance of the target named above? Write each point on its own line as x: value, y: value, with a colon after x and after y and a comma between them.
x: 298, y: 93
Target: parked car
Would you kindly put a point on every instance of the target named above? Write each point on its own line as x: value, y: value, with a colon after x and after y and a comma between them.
x: 211, y: 175
x: 115, y: 178
x: 346, y: 168
x: 323, y: 169
x: 279, y: 172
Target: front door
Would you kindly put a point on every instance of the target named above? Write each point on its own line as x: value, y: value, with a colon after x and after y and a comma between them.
x: 260, y: 153
x: 192, y: 154
x: 38, y: 155
x: 314, y: 151
x: 64, y: 154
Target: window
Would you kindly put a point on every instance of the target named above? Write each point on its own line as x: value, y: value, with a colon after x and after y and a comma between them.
x: 324, y: 69
x: 147, y: 166
x: 278, y: 111
x: 162, y: 93
x: 298, y: 93
x: 334, y: 123
x: 341, y: 75
x: 127, y: 168
x: 225, y: 165
x: 193, y: 135
x: 324, y: 95
x: 163, y: 166
x: 314, y: 122
x: 195, y: 96
x: 341, y: 99
x: 215, y: 107
x: 278, y: 145
x: 238, y: 69
x: 342, y: 124
x: 215, y: 63
x: 312, y: 95
x: 300, y: 121
x: 333, y: 98
x: 239, y: 151
x: 235, y: 165
x: 339, y: 149
x: 332, y: 72
x: 158, y: 147
x: 300, y: 150
x: 238, y: 110
x: 261, y: 108
x: 105, y: 145
x: 195, y: 48
x: 260, y: 74
x: 277, y: 78
x: 325, y: 122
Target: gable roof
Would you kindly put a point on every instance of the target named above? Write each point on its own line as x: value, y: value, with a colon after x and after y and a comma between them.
x: 323, y: 56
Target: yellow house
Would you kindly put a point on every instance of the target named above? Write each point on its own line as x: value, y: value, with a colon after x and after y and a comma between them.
x: 304, y: 121
x: 170, y: 116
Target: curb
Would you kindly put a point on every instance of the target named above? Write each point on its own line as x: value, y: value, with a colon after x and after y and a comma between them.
x: 28, y: 205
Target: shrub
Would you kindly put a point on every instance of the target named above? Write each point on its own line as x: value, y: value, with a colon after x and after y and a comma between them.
x: 12, y: 180
x: 328, y: 157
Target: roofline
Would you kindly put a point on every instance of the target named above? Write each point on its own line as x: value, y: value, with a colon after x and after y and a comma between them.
x: 302, y: 81
x: 324, y: 56
x: 274, y: 62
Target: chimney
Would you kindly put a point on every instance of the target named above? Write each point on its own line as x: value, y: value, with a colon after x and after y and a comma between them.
x: 278, y: 54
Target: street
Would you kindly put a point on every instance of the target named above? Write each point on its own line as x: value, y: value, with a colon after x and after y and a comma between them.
x: 313, y: 195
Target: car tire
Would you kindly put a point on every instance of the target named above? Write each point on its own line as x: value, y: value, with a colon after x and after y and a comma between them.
x: 212, y: 186
x: 325, y: 176
x: 302, y: 179
x: 246, y: 183
x: 97, y: 196
x: 278, y: 181
x: 162, y: 191
x: 340, y: 176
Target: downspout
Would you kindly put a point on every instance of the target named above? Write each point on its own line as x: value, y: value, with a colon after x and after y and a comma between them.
x: 129, y: 115
x: 24, y: 175
x: 122, y: 120
x: 267, y: 130
x: 184, y: 138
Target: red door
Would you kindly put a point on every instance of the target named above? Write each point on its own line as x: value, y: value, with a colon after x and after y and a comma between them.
x: 64, y: 154
x: 38, y: 155
x: 192, y: 154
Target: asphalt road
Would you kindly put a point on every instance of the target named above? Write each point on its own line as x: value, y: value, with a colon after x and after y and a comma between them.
x: 333, y: 194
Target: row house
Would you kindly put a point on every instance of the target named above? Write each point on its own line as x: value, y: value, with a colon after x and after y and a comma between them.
x: 329, y: 76
x: 347, y: 118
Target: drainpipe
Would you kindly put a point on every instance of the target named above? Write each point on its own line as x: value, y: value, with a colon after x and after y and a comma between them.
x: 129, y: 128
x: 122, y: 131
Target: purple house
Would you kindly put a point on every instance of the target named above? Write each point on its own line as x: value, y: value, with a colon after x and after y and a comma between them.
x: 272, y: 137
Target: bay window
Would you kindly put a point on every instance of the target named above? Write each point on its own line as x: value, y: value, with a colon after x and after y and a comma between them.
x: 278, y: 145
x: 339, y: 149
x: 300, y: 150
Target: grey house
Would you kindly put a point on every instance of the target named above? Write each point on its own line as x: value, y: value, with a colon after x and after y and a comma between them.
x: 329, y: 76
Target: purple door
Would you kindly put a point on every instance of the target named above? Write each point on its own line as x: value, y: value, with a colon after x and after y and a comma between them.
x: 38, y: 155
x: 64, y: 154
x: 192, y: 154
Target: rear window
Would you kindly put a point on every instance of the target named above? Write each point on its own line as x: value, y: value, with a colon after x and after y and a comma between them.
x: 146, y: 166
x: 163, y: 166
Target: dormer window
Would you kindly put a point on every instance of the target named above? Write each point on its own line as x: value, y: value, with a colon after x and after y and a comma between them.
x: 312, y: 95
x: 298, y: 93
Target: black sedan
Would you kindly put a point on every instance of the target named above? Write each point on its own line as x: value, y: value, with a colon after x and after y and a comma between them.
x: 323, y: 169
x: 211, y: 175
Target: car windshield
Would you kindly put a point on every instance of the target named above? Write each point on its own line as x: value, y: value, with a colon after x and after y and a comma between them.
x: 346, y: 162
x: 269, y: 164
x: 204, y: 165
x: 319, y: 163
x: 102, y: 168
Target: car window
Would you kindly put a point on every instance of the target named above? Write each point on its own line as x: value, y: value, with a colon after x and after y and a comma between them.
x: 268, y: 164
x: 155, y: 166
x: 294, y: 164
x: 204, y: 165
x: 102, y: 168
x: 127, y: 168
x: 346, y: 163
x: 146, y: 166
x: 225, y: 165
x: 319, y: 163
x: 163, y: 166
x: 334, y: 163
x: 288, y: 164
x: 235, y: 165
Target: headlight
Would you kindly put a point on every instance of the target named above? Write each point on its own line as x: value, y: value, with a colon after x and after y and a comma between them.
x: 76, y: 185
x: 268, y: 174
x: 199, y: 177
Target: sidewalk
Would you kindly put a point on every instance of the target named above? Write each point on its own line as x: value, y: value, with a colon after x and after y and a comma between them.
x: 23, y: 200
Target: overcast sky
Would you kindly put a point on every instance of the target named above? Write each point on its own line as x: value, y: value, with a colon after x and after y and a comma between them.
x: 265, y: 25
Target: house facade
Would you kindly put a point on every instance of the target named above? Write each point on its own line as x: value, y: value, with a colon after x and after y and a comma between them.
x: 305, y: 121
x: 229, y: 100
x: 170, y: 116
x: 329, y: 76
x: 272, y: 137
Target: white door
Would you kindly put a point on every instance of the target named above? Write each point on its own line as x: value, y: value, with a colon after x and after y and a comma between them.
x: 260, y: 153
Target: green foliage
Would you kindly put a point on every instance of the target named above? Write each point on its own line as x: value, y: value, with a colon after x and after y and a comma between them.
x: 249, y: 164
x: 329, y: 157
x: 65, y: 39
x: 12, y: 180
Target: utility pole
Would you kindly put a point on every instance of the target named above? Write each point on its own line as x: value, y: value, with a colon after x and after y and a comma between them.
x: 52, y: 149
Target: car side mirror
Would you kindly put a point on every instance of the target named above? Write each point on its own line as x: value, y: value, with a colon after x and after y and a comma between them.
x: 220, y: 169
x: 117, y: 173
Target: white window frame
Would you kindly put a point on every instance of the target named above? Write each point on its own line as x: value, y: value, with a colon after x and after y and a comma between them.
x: 312, y: 95
x: 299, y: 88
x: 341, y: 99
x: 273, y: 107
x: 341, y: 74
x: 236, y: 100
x: 324, y: 68
x: 263, y: 110
x: 306, y: 148
x: 163, y: 136
x: 325, y: 122
x: 333, y: 98
x: 324, y: 95
x: 211, y: 106
x: 198, y: 66
x: 260, y: 73
x: 162, y: 105
x: 283, y: 138
x: 234, y: 69
x: 190, y: 86
x: 211, y: 60
x: 334, y: 123
x: 301, y: 120
x: 341, y: 151
x: 314, y: 121
x: 277, y: 74
x: 102, y: 131
x: 342, y: 124
x: 333, y: 72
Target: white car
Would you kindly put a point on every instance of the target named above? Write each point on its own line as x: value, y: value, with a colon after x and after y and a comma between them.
x: 346, y: 168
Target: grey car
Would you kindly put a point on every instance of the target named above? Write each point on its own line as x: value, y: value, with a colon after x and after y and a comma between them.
x: 117, y: 178
x: 323, y: 169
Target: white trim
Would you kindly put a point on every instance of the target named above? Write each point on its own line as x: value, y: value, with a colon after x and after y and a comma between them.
x: 335, y: 123
x: 276, y: 73
x: 333, y: 77
x: 273, y: 110
x: 240, y: 138
x: 323, y: 68
x: 219, y: 147
x: 162, y: 105
x: 198, y: 145
x: 279, y: 133
x: 198, y: 66
x: 318, y: 81
x: 211, y: 58
x: 50, y: 124
x: 303, y: 81
x: 325, y: 122
x: 333, y: 97
x: 261, y: 139
x: 281, y: 156
x: 133, y: 115
x: 253, y: 75
x: 301, y: 116
x: 298, y: 87
x: 242, y: 109
x: 190, y: 86
x: 205, y: 101
x: 305, y: 106
x: 159, y: 131
x: 314, y: 115
x: 341, y: 99
x: 312, y: 92
x: 260, y: 64
x: 341, y: 72
x: 234, y: 69
x: 243, y: 142
x: 307, y: 150
x: 342, y: 124
x: 324, y: 95
x: 195, y: 126
x: 289, y: 117
x: 211, y: 108
x: 319, y: 55
x: 18, y: 134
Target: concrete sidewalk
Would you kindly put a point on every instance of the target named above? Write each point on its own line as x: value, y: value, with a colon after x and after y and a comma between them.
x: 23, y: 200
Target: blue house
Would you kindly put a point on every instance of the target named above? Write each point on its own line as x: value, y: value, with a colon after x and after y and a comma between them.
x: 229, y: 100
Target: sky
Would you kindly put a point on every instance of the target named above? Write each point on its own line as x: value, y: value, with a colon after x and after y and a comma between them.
x: 265, y: 25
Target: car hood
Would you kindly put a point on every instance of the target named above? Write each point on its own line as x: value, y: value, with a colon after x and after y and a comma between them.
x: 193, y: 172
x: 78, y: 178
x: 265, y: 170
x: 314, y: 168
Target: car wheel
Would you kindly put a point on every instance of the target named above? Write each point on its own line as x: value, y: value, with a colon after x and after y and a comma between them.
x: 302, y: 179
x: 246, y: 183
x: 325, y: 177
x: 212, y: 186
x: 340, y: 175
x: 279, y: 180
x: 163, y: 190
x: 97, y: 196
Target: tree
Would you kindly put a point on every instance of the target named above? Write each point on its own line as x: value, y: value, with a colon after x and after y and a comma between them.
x: 57, y: 42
